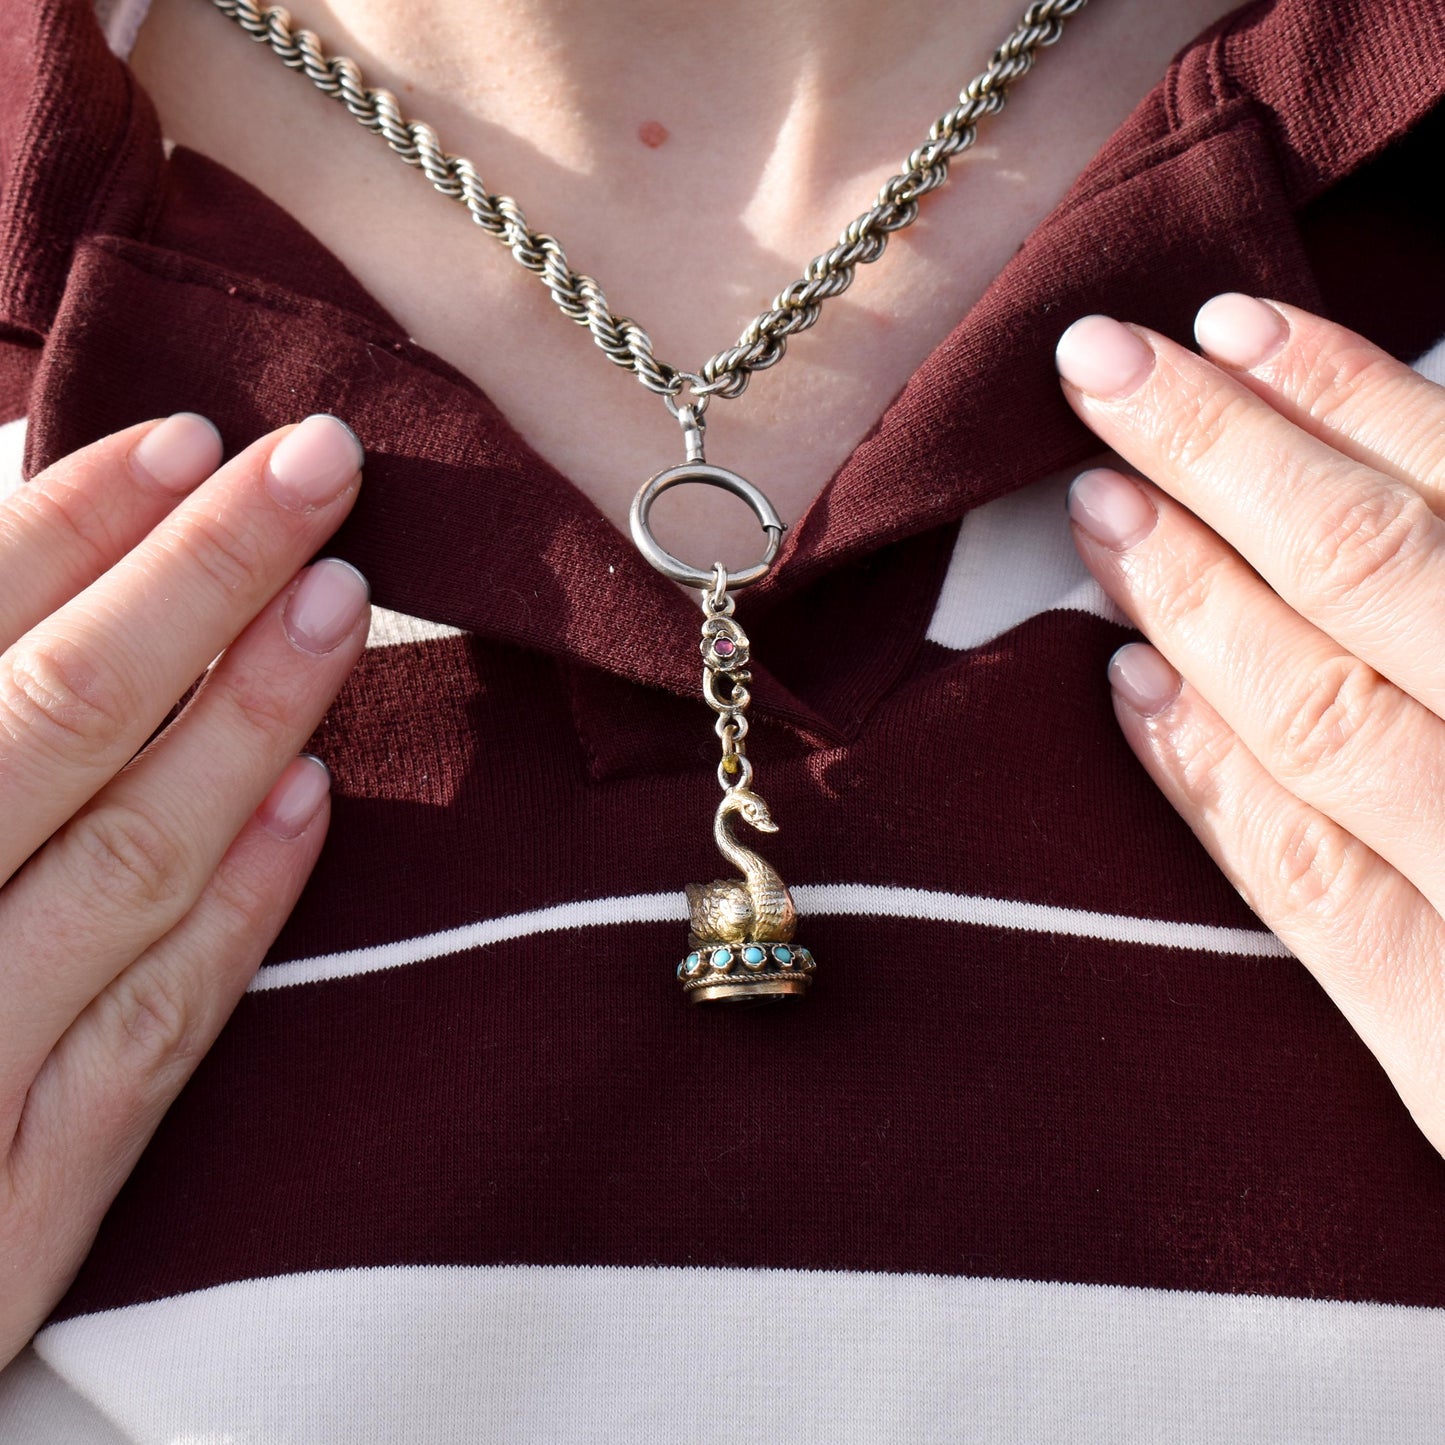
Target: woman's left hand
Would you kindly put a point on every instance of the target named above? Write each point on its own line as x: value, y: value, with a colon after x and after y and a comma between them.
x: 1288, y: 559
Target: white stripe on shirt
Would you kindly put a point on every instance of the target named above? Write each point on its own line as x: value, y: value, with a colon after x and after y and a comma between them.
x: 838, y: 899
x: 434, y: 1355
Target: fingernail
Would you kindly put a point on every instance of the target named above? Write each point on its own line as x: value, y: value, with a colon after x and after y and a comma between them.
x: 1240, y: 330
x: 296, y: 797
x: 1111, y: 508
x: 1103, y: 357
x: 312, y: 464
x: 1139, y: 674
x: 330, y: 599
x: 179, y: 453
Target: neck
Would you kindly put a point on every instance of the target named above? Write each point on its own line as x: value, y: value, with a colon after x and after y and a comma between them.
x: 814, y: 85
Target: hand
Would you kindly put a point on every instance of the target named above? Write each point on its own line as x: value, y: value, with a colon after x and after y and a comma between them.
x: 1290, y: 564
x: 154, y: 883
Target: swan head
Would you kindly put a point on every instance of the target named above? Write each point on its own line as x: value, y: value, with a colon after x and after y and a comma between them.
x: 753, y: 810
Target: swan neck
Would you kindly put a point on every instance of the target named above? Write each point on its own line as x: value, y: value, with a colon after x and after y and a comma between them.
x: 731, y: 849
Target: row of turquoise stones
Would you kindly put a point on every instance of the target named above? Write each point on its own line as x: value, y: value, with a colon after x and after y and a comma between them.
x: 752, y: 955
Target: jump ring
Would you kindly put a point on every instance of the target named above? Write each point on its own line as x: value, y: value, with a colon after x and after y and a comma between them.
x: 717, y: 591
x: 739, y: 779
x: 700, y: 396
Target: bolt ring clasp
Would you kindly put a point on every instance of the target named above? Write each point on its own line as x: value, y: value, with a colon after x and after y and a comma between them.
x: 710, y: 476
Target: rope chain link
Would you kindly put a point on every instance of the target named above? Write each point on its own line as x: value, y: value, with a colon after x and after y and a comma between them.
x: 622, y: 340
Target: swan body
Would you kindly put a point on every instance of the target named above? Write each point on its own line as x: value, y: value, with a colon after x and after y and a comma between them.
x: 754, y: 908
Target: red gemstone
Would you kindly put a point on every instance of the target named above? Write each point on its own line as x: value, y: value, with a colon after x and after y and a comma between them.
x: 723, y: 646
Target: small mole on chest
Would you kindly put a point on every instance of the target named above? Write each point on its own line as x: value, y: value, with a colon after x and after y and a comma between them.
x: 652, y: 133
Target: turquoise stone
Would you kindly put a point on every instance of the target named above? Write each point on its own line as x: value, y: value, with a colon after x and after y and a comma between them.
x: 754, y: 955
x: 694, y: 962
x: 723, y: 959
x: 679, y: 970
x: 784, y: 955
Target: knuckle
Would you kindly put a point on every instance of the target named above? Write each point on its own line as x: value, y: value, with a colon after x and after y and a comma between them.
x: 1192, y: 418
x: 1327, y: 377
x: 148, y: 1022
x: 64, y: 503
x: 1325, y: 876
x: 226, y: 553
x: 1198, y: 755
x: 1348, y: 386
x: 244, y: 900
x: 55, y: 692
x: 1415, y: 427
x: 1363, y: 540
x: 260, y: 704
x: 1186, y: 588
x: 1317, y: 867
x: 128, y: 859
x: 1314, y: 730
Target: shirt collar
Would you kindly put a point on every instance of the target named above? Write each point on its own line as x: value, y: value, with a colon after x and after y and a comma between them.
x: 154, y: 283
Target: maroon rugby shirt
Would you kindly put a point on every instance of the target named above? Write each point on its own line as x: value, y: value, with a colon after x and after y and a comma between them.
x: 463, y: 1164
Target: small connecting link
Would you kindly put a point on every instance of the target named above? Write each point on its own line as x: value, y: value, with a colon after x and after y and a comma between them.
x: 725, y: 653
x: 701, y: 394
x: 732, y: 728
x: 715, y: 599
x: 741, y: 776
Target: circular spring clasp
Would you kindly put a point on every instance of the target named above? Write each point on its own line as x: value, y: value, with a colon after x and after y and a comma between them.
x: 710, y: 476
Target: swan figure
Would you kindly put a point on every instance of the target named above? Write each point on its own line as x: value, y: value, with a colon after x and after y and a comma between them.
x: 754, y: 908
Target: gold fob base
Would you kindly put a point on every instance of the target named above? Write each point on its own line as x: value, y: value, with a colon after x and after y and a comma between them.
x: 744, y: 972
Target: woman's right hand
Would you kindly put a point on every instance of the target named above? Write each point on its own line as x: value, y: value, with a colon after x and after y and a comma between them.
x: 138, y: 894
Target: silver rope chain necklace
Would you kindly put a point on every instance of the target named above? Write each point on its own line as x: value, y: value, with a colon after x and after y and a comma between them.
x: 741, y: 930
